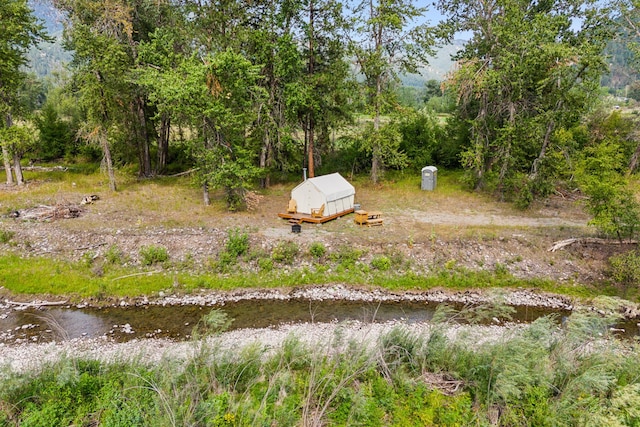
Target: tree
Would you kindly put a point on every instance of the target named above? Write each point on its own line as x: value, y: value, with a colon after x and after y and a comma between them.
x: 384, y: 44
x: 527, y: 73
x: 322, y: 101
x: 20, y: 31
x: 55, y: 134
x: 601, y: 176
x: 626, y: 14
x: 17, y: 140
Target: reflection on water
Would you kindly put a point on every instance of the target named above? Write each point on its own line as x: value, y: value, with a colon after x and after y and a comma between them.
x: 177, y: 322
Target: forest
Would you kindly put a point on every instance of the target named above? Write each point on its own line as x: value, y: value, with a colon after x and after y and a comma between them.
x: 242, y: 93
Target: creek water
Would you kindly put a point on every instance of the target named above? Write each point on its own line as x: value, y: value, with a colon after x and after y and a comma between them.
x: 178, y: 322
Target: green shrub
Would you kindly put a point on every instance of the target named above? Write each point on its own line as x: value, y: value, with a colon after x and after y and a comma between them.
x: 6, y: 236
x: 381, y: 263
x: 152, y: 254
x: 317, y: 249
x: 625, y: 269
x: 237, y: 242
x: 285, y: 252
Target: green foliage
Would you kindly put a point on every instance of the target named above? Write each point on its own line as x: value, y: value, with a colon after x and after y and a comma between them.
x: 237, y: 243
x: 381, y: 262
x: 152, y: 254
x: 535, y: 374
x: 611, y: 202
x: 215, y: 322
x: 55, y: 136
x: 6, y: 236
x: 625, y: 270
x: 317, y: 250
x: 534, y: 55
x: 346, y: 256
x: 114, y: 255
x: 265, y: 264
x: 19, y: 138
x: 285, y: 252
x: 422, y: 137
x: 21, y: 32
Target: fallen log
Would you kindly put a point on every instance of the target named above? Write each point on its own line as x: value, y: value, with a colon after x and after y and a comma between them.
x: 36, y: 303
x: 590, y: 240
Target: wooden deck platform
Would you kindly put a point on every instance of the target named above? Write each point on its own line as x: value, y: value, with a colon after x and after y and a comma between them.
x: 301, y: 217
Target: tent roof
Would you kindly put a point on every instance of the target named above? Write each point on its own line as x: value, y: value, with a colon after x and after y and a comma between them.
x: 334, y: 186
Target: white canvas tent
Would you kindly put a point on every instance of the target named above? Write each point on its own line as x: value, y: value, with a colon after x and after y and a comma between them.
x: 332, y: 191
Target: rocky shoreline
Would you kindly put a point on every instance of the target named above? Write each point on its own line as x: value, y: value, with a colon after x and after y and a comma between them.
x: 21, y: 357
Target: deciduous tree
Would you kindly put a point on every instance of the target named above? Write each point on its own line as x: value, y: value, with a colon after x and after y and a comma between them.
x: 530, y: 69
x: 385, y: 42
x: 19, y: 31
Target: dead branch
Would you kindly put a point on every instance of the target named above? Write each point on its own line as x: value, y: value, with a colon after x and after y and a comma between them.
x: 97, y: 245
x: 589, y: 240
x: 48, y: 213
x: 443, y: 382
x: 190, y: 171
x: 45, y: 169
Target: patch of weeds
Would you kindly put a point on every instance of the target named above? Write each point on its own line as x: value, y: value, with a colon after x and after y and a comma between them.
x: 285, y: 252
x: 224, y: 262
x: 381, y: 262
x: 624, y: 269
x: 317, y: 250
x: 451, y: 264
x: 500, y: 269
x: 88, y: 258
x: 6, y: 236
x: 114, y: 255
x: 257, y: 254
x: 150, y: 255
x: 265, y: 264
x: 188, y: 263
x: 395, y: 256
x: 346, y: 257
x: 347, y: 253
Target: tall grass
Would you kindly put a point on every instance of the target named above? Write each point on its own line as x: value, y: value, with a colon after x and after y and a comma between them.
x: 537, y: 375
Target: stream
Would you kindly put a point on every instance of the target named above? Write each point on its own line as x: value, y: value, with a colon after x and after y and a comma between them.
x: 177, y: 322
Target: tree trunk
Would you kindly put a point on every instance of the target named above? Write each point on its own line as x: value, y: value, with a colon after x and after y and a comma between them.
x: 543, y: 151
x: 310, y: 162
x: 375, y: 158
x: 17, y: 167
x: 264, y: 155
x: 142, y: 136
x: 163, y: 143
x: 106, y: 151
x: 205, y: 194
x: 310, y: 122
x: 6, y: 156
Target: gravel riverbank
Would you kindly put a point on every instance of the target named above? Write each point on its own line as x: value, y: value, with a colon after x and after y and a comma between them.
x: 32, y: 357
